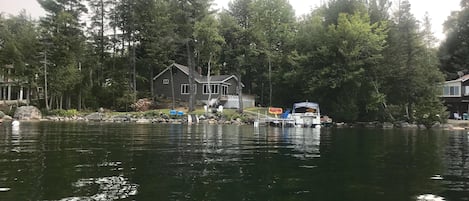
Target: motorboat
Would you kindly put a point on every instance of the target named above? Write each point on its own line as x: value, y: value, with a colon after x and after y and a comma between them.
x: 306, y: 114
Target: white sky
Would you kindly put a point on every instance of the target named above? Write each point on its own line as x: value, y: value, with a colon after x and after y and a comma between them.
x: 439, y: 10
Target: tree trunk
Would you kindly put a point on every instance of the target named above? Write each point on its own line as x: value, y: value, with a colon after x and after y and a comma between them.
x: 172, y: 88
x: 240, y: 94
x: 79, y: 100
x: 208, y: 81
x: 190, y: 61
x: 270, y: 82
x: 61, y: 102
x: 134, y: 73
x: 152, y: 90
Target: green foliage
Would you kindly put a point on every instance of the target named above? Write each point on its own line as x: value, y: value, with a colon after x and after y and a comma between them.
x: 454, y: 50
x: 123, y: 102
x: 64, y: 113
x: 429, y: 111
x: 354, y: 57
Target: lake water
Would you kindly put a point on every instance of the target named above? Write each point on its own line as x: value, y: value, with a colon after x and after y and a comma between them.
x: 93, y: 161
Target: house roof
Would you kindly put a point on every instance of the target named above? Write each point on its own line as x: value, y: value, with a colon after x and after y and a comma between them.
x: 461, y: 79
x: 198, y: 78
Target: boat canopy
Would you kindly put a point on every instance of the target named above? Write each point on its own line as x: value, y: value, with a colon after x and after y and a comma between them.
x: 305, y: 107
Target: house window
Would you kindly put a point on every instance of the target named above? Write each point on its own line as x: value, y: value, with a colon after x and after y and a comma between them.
x: 165, y: 81
x: 466, y: 90
x: 451, y: 91
x: 214, y: 89
x: 224, y: 90
x: 185, y: 89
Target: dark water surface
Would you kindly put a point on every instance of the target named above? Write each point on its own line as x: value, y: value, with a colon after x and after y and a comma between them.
x: 87, y: 161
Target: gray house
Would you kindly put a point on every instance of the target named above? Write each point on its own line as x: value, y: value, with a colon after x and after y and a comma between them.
x: 455, y: 94
x: 174, y: 82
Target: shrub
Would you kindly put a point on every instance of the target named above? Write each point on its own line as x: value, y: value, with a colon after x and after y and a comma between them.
x: 64, y: 113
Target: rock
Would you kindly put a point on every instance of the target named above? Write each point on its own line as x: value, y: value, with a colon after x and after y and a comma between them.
x: 95, y: 117
x: 27, y: 113
x: 387, y: 125
x: 437, y: 125
x: 7, y: 118
x: 143, y: 121
x: 143, y: 105
x: 2, y: 114
x: 121, y: 118
x: 405, y: 125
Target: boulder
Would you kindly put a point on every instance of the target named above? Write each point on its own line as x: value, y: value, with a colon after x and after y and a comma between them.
x: 7, y: 118
x: 95, y: 116
x: 27, y: 113
x: 387, y: 125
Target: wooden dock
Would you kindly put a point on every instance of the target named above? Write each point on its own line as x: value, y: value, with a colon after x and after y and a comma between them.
x: 277, y: 122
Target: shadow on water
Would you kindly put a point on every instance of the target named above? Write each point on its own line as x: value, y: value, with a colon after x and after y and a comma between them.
x: 94, y: 161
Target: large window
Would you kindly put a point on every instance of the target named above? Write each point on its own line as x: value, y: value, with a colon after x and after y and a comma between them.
x: 214, y: 89
x: 224, y: 90
x: 451, y: 91
x: 185, y: 89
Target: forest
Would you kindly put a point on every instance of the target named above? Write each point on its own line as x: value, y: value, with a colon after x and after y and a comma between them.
x: 361, y: 60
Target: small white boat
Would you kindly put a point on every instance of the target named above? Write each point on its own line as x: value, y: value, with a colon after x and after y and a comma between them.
x: 15, y: 123
x: 306, y: 114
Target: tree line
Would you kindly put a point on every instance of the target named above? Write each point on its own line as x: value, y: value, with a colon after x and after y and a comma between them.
x: 362, y: 60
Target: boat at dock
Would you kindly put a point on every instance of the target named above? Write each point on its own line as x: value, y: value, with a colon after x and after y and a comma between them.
x: 303, y: 114
x: 306, y: 114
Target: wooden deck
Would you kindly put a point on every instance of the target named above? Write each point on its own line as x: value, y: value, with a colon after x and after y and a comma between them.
x: 277, y: 122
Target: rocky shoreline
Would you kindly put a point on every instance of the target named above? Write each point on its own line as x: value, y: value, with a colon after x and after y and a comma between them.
x: 129, y: 118
x: 30, y: 113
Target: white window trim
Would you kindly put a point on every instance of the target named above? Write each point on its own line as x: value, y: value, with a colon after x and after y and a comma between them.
x: 188, y: 89
x: 457, y: 92
x: 165, y: 81
x: 217, y: 86
x: 224, y: 90
x: 183, y: 86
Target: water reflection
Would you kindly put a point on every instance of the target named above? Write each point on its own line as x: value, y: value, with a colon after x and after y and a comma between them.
x: 456, y: 178
x: 109, y: 188
x: 54, y: 161
x: 429, y: 197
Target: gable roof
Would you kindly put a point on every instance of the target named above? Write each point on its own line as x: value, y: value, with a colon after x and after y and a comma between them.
x: 198, y: 78
x: 461, y: 79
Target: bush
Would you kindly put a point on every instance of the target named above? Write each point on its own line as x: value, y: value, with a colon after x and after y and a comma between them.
x: 64, y: 113
x: 429, y: 111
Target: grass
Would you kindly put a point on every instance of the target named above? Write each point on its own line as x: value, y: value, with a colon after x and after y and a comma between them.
x: 229, y: 114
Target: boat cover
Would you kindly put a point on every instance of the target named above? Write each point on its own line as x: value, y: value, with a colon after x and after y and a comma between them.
x: 305, y: 104
x: 305, y: 107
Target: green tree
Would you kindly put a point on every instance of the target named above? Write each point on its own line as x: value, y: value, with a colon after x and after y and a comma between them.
x: 19, y: 47
x: 454, y: 50
x: 208, y: 43
x: 64, y: 40
x: 274, y: 27
x: 186, y: 13
x: 413, y: 69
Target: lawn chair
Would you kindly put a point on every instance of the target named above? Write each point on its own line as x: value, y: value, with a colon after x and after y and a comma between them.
x: 456, y: 116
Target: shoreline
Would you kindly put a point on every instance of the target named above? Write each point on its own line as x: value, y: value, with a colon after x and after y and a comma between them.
x: 247, y: 118
x: 219, y: 120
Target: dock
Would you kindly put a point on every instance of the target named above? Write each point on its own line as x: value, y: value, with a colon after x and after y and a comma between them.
x: 277, y: 122
x: 266, y: 120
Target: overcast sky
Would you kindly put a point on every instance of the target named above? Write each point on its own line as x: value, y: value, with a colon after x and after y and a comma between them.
x: 439, y: 10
